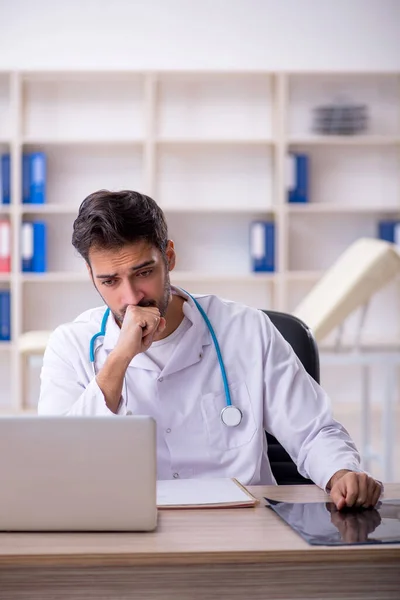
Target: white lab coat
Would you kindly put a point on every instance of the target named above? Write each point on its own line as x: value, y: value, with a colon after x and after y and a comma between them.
x: 267, y: 382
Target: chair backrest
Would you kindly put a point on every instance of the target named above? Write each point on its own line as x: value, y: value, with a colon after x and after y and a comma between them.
x: 300, y: 337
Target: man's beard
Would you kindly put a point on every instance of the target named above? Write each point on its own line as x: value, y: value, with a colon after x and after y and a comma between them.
x: 162, y: 305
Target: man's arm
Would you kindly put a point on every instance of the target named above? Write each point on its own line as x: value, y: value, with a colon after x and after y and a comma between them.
x: 297, y: 412
x: 64, y: 391
x: 111, y: 379
x: 138, y: 329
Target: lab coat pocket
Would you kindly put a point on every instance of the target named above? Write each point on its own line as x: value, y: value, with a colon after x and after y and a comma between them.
x: 220, y: 436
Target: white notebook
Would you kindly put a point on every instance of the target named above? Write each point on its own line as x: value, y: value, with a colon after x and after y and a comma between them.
x: 202, y: 493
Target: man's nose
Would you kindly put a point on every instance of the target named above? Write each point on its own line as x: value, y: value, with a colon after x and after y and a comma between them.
x: 131, y: 294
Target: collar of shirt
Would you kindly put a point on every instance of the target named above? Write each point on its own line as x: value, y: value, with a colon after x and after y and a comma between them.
x: 185, y: 355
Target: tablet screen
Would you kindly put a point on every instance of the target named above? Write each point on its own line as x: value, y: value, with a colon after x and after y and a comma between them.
x: 320, y: 523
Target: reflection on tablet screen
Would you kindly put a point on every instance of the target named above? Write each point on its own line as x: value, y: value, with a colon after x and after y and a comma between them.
x: 320, y: 523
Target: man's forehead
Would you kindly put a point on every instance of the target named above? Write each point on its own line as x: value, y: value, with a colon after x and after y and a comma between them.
x: 127, y: 249
x: 127, y: 254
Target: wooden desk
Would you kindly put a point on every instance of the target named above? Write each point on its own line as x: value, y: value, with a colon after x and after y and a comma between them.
x: 199, y: 554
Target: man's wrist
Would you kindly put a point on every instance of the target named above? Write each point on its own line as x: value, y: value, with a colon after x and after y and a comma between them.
x: 120, y: 359
x: 335, y: 477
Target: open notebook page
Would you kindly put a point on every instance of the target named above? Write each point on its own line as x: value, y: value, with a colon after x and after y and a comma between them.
x: 195, y: 493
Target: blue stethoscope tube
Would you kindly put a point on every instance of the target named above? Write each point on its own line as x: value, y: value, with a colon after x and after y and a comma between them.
x: 101, y: 333
x: 230, y: 415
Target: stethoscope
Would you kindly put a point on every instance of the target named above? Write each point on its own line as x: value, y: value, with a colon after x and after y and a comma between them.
x: 231, y: 416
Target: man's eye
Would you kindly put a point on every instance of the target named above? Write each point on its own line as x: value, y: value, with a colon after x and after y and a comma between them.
x: 145, y: 273
x: 109, y: 282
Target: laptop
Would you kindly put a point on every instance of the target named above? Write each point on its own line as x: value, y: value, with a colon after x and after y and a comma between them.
x: 77, y: 473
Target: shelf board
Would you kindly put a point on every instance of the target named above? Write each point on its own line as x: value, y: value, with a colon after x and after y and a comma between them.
x: 48, y: 209
x: 307, y: 276
x: 215, y: 141
x: 245, y: 209
x: 31, y: 141
x: 55, y: 277
x: 321, y: 208
x: 368, y: 342
x: 303, y: 276
x: 5, y: 277
x: 344, y: 140
x: 5, y: 209
x: 15, y: 412
x: 198, y: 277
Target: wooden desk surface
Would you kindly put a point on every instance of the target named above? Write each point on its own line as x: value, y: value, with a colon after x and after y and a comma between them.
x: 184, y: 537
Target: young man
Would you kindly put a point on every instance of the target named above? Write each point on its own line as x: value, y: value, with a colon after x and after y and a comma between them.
x: 153, y: 353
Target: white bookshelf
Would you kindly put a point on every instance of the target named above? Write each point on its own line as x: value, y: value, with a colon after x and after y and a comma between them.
x: 211, y: 149
x: 340, y: 208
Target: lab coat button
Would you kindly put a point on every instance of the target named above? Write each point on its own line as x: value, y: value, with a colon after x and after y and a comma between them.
x: 129, y: 413
x: 168, y: 430
x: 176, y: 475
x: 161, y: 379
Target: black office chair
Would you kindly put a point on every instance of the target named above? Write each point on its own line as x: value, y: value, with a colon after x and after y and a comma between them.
x: 303, y: 343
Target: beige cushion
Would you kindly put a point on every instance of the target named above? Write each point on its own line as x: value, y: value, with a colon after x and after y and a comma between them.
x: 33, y: 342
x: 364, y: 268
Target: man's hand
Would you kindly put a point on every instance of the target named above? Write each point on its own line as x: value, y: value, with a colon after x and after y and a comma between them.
x: 138, y: 329
x: 348, y: 488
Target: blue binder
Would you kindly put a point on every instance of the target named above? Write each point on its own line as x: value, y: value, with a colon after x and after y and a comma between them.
x: 5, y: 179
x: 26, y: 179
x: 37, y: 172
x: 39, y: 263
x: 299, y: 178
x: 262, y: 246
x: 34, y: 247
x: 389, y: 231
x: 27, y: 247
x: 5, y: 315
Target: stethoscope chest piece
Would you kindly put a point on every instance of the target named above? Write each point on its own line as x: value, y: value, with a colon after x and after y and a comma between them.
x: 231, y: 416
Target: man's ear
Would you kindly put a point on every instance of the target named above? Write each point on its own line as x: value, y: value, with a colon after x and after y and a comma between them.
x: 171, y: 255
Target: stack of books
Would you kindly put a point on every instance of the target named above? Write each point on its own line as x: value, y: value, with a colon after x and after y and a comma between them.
x: 340, y: 118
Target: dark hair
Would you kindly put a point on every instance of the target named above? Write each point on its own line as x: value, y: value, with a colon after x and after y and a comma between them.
x: 110, y: 220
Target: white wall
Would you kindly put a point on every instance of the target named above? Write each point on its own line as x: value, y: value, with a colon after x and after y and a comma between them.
x: 200, y: 34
